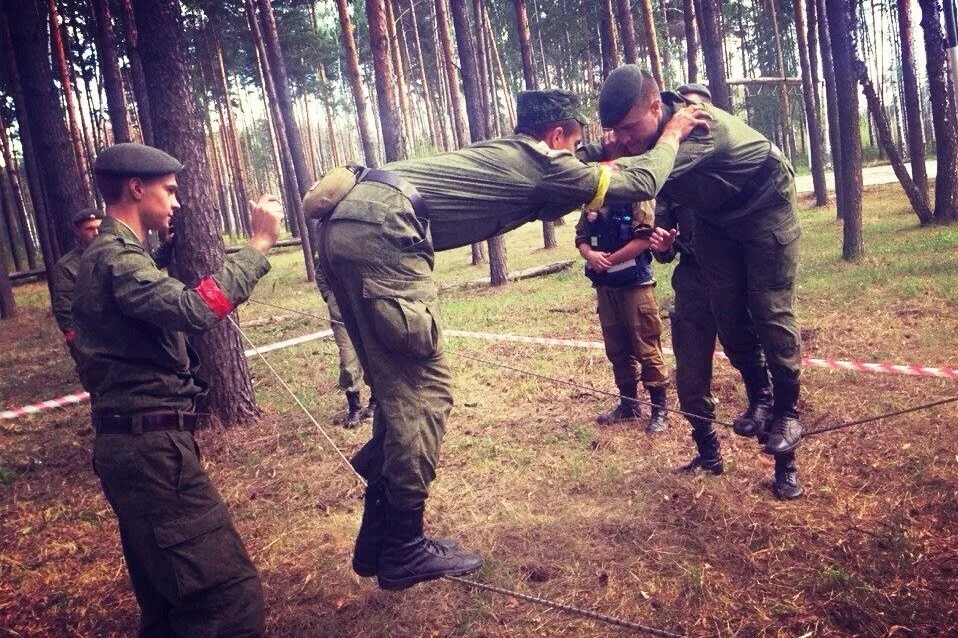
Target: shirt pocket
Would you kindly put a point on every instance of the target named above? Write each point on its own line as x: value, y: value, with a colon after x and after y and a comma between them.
x: 405, y: 315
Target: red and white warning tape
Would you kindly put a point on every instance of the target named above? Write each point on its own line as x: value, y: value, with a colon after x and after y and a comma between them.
x: 828, y: 364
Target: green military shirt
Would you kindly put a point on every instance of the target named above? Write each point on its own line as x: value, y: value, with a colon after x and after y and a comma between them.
x: 63, y: 282
x: 495, y: 186
x: 130, y: 319
x: 712, y: 167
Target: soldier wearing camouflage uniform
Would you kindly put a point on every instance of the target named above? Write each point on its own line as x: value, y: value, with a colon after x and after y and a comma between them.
x: 188, y: 566
x: 63, y: 277
x: 741, y: 190
x: 377, y: 250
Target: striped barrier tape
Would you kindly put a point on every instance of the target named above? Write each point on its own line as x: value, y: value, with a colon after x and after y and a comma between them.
x: 828, y: 364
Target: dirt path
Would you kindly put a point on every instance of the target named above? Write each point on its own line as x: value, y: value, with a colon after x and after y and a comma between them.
x: 871, y: 175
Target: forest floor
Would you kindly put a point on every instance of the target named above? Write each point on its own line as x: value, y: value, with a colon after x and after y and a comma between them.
x: 560, y: 508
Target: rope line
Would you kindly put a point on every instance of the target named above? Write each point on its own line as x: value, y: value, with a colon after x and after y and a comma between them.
x: 470, y: 583
x: 879, y: 417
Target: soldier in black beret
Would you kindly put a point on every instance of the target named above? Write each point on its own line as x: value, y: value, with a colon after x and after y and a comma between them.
x: 189, y: 568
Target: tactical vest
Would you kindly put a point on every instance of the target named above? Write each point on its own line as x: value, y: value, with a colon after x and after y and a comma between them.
x: 609, y: 233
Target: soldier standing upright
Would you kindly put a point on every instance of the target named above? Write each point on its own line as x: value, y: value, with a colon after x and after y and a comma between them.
x: 377, y: 249
x: 188, y: 566
x: 86, y: 226
x: 741, y: 190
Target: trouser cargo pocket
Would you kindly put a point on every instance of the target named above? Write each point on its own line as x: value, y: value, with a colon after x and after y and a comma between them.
x: 405, y: 315
x: 204, y: 550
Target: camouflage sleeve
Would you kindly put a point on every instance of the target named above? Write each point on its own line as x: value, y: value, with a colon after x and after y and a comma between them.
x: 641, y: 177
x: 144, y: 292
x: 693, y: 152
x: 665, y: 218
x: 594, y: 152
x: 61, y: 298
x: 582, y: 235
x: 163, y: 255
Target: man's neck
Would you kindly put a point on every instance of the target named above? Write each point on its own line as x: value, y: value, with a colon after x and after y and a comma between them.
x: 128, y: 217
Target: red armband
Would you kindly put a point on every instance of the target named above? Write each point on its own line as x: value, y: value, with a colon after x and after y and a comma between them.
x: 69, y: 335
x: 214, y: 297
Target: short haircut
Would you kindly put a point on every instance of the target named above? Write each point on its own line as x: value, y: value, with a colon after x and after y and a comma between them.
x: 540, y: 130
x: 111, y: 186
x: 627, y: 86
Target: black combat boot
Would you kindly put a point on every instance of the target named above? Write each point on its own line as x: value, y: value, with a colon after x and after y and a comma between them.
x: 369, y: 541
x: 369, y: 410
x: 659, y: 420
x: 627, y: 409
x: 408, y: 557
x: 709, y: 458
x: 759, y: 410
x: 784, y: 432
x: 354, y: 411
x: 786, y: 486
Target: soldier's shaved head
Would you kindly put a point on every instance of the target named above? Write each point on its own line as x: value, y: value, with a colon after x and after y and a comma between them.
x: 627, y: 86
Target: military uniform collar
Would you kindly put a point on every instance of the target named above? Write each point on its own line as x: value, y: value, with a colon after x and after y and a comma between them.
x: 121, y: 229
x: 671, y: 102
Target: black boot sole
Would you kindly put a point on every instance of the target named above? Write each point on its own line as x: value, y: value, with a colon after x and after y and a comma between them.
x: 397, y: 584
x: 364, y: 571
x: 792, y: 448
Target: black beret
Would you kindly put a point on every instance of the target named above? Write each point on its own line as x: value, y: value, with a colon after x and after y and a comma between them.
x: 87, y: 214
x: 546, y: 107
x: 135, y: 160
x: 698, y: 89
x: 619, y: 93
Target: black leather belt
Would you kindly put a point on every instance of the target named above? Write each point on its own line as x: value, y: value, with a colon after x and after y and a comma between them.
x: 139, y: 423
x: 391, y: 179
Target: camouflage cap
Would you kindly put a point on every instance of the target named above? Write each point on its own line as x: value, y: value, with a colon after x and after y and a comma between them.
x: 697, y: 89
x: 87, y: 214
x: 545, y: 107
x: 135, y: 159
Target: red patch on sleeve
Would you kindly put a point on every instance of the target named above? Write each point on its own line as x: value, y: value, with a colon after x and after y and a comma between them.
x: 70, y: 335
x: 214, y: 297
x: 611, y: 165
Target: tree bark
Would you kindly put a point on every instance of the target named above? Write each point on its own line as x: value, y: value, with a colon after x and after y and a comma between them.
x: 525, y: 46
x: 627, y: 30
x: 427, y: 90
x: 16, y: 193
x: 786, y: 113
x: 356, y: 84
x: 706, y: 11
x: 178, y: 129
x: 608, y: 40
x: 691, y: 40
x: 915, y: 198
x: 399, y: 69
x: 8, y: 305
x: 55, y: 158
x: 498, y: 267
x: 816, y: 139
x: 394, y: 146
x: 479, y: 35
x: 909, y: 89
x: 110, y: 72
x: 840, y: 19
x: 943, y: 114
x: 136, y: 73
x: 59, y: 55
x: 831, y: 99
x: 452, y: 79
x: 655, y: 61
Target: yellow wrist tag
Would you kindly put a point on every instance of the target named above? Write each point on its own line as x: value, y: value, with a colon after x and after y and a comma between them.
x: 605, y: 176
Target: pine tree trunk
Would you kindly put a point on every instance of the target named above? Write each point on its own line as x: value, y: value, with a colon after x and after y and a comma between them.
x: 909, y: 88
x: 943, y: 113
x: 816, y: 139
x: 627, y: 31
x: 285, y: 143
x: 400, y: 71
x: 786, y: 113
x: 452, y: 79
x: 435, y: 135
x: 831, y: 98
x: 706, y: 11
x: 16, y: 193
x: 503, y: 84
x: 8, y: 230
x: 55, y: 158
x: 648, y: 21
x: 887, y: 142
x: 525, y: 46
x: 840, y: 19
x: 232, y: 145
x: 59, y: 55
x: 356, y: 84
x: 609, y: 41
x: 479, y: 35
x: 178, y: 129
x: 394, y: 146
x: 691, y: 40
x: 542, y: 49
x: 110, y: 72
x: 498, y: 268
x: 136, y: 73
x: 8, y: 305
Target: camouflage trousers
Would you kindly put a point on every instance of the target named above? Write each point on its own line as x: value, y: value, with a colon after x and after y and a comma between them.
x: 378, y: 258
x: 350, y: 371
x: 632, y: 332
x: 188, y: 566
x: 693, y: 340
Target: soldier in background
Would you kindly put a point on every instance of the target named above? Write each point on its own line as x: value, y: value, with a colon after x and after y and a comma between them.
x: 86, y: 226
x: 189, y: 568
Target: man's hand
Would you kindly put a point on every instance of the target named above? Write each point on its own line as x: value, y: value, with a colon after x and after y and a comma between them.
x: 598, y: 261
x: 661, y: 240
x: 612, y: 147
x: 266, y: 218
x: 683, y: 122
